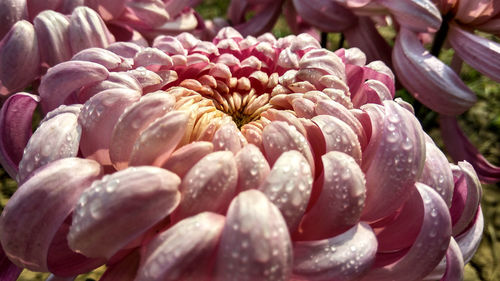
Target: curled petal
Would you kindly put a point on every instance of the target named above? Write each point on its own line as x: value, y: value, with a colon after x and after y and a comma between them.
x: 159, y: 139
x: 255, y: 244
x: 8, y: 271
x: 454, y: 262
x: 328, y: 16
x: 228, y: 137
x: 470, y: 239
x: 393, y: 159
x: 107, y: 9
x: 466, y: 196
x: 480, y: 53
x: 279, y: 137
x: 65, y: 78
x: 183, y: 251
x: 460, y: 148
x: 344, y: 257
x: 124, y: 269
x: 252, y: 166
x: 87, y: 30
x: 288, y: 186
x: 262, y: 22
x: 15, y: 129
x: 19, y: 58
x: 136, y: 118
x: 208, y: 186
x: 339, y: 136
x: 323, y: 62
x: 52, y: 33
x: 431, y: 81
x: 429, y: 247
x: 64, y: 134
x: 416, y: 15
x: 150, y: 13
x: 114, y: 80
x: 342, y: 198
x: 437, y: 173
x: 11, y: 11
x: 184, y: 158
x: 101, y: 56
x: 100, y: 114
x: 146, y: 194
x: 45, y: 199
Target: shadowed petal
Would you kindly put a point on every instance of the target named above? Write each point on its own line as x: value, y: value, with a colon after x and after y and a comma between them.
x: 184, y: 251
x: 87, y: 29
x: 288, y: 186
x: 8, y: 271
x: 107, y: 9
x: 52, y: 33
x: 393, y: 159
x: 19, y: 58
x: 124, y: 269
x: 480, y: 53
x: 100, y: 114
x: 342, y: 198
x: 11, y: 11
x: 146, y: 194
x: 64, y: 134
x: 343, y: 257
x: 15, y: 129
x: 466, y: 196
x: 460, y: 148
x: 103, y: 57
x: 45, y: 199
x: 159, y: 139
x: 264, y: 19
x: 208, y: 186
x: 136, y: 118
x: 253, y: 168
x: 65, y: 78
x: 454, y: 262
x: 469, y: 240
x: 255, y: 244
x: 184, y: 158
x: 437, y: 173
x: 431, y: 81
x: 416, y: 15
x: 326, y: 15
x: 429, y: 247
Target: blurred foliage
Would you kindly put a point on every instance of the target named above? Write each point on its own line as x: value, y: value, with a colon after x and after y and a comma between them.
x: 481, y: 123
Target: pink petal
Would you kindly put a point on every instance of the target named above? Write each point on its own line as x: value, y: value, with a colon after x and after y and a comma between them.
x: 437, y: 173
x: 98, y: 117
x: 35, y: 7
x: 151, y: 57
x: 279, y: 137
x: 263, y: 21
x: 15, y: 129
x: 65, y: 78
x: 429, y: 247
x: 103, y: 57
x: 469, y: 12
x: 228, y: 138
x: 332, y: 108
x: 184, y: 251
x: 339, y: 136
x: 87, y: 29
x: 479, y: 52
x: 114, y: 80
x: 64, y: 134
x: 107, y: 9
x: 393, y: 159
x: 255, y: 244
x: 252, y: 166
x: 466, y: 196
x: 159, y: 140
x: 124, y: 49
x: 11, y: 11
x: 460, y: 148
x: 136, y: 118
x: 208, y: 186
x: 454, y: 262
x: 45, y: 199
x: 342, y: 198
x: 288, y: 186
x: 124, y: 269
x: 150, y: 13
x: 19, y: 58
x: 469, y: 240
x: 344, y: 257
x: 327, y: 16
x: 184, y: 158
x: 365, y: 36
x: 428, y: 79
x: 99, y: 228
x: 8, y: 271
x: 323, y: 62
x: 416, y: 15
x: 52, y: 33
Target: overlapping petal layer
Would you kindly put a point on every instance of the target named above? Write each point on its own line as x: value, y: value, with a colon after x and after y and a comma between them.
x: 247, y: 158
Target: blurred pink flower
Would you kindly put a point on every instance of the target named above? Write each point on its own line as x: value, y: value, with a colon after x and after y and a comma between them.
x: 61, y: 28
x: 238, y: 159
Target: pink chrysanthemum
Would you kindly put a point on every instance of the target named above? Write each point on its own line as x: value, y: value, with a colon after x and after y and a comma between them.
x: 237, y: 159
